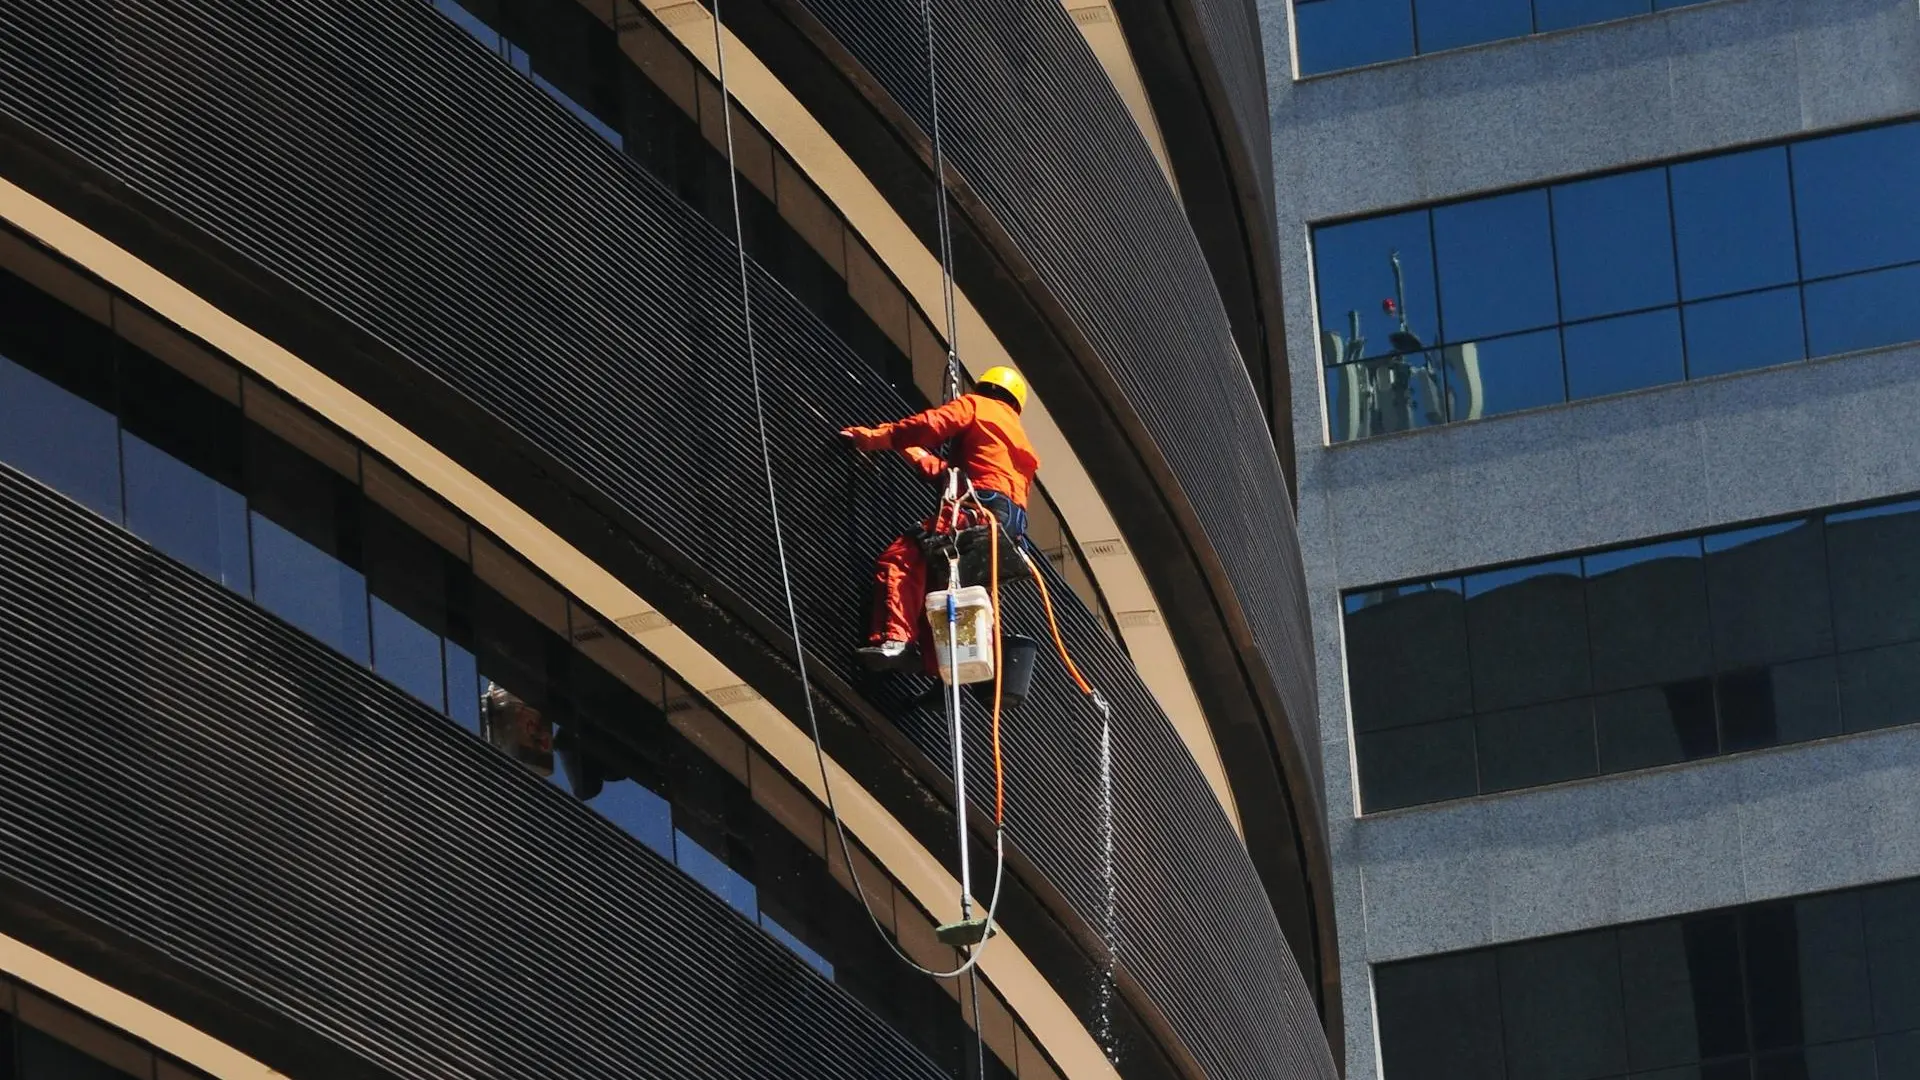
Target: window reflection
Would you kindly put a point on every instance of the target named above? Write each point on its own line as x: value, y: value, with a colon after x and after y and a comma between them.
x: 1561, y: 14
x: 1496, y: 266
x: 1599, y: 258
x: 1511, y: 373
x: 1739, y: 333
x: 60, y: 438
x: 1613, y: 244
x: 1812, y: 988
x: 1451, y: 24
x: 1854, y: 200
x: 1336, y: 34
x: 187, y: 514
x: 1733, y: 220
x: 1639, y: 656
x: 1864, y: 311
x: 310, y: 588
x: 1612, y: 356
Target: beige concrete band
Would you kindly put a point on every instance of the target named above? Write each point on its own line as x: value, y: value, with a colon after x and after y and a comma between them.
x: 1027, y: 992
x: 177, y: 1039
x: 1111, y: 563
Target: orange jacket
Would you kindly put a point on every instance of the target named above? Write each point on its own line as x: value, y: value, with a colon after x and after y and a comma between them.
x: 993, y: 451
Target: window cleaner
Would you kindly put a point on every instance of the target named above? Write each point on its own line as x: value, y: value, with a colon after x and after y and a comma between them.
x: 994, y: 460
x: 997, y: 464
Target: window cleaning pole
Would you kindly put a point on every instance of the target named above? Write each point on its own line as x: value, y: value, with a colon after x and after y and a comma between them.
x: 959, y: 744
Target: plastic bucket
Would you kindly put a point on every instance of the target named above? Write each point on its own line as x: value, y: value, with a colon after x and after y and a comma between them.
x: 1019, y: 655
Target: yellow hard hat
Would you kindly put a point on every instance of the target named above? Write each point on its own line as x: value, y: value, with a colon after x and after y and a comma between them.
x: 1009, y: 380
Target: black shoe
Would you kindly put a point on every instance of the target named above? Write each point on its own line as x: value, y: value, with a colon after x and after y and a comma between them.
x: 887, y: 656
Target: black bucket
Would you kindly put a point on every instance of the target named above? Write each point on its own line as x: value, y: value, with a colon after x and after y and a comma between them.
x: 975, y: 546
x: 1019, y: 655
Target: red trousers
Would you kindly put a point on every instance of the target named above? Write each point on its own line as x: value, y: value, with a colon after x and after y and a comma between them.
x: 900, y: 576
x: 900, y: 588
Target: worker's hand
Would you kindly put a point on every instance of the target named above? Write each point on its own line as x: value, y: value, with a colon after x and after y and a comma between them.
x: 930, y: 465
x: 865, y: 438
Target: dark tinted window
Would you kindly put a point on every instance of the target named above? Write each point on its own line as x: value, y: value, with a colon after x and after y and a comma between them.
x: 1734, y: 640
x: 1647, y: 613
x: 1767, y: 589
x: 1538, y: 744
x: 1440, y: 1018
x: 1421, y: 764
x: 1528, y: 629
x: 1875, y: 576
x: 181, y: 449
x: 1835, y: 994
x: 306, y: 544
x: 1561, y: 1005
x: 43, y: 1057
x: 1655, y: 725
x: 1880, y: 687
x: 1891, y: 916
x: 1816, y: 988
x: 1407, y: 655
x: 1778, y: 703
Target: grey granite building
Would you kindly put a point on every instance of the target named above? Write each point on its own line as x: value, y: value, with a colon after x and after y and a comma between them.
x: 1602, y: 328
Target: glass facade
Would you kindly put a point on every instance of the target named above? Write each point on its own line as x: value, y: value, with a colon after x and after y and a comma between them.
x: 42, y: 1039
x: 1636, y: 656
x: 1815, y: 988
x: 1337, y: 34
x: 225, y: 476
x: 1608, y: 284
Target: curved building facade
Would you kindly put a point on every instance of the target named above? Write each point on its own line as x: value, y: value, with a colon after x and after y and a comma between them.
x: 399, y: 677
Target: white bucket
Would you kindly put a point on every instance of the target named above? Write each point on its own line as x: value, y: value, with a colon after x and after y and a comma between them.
x: 974, y: 615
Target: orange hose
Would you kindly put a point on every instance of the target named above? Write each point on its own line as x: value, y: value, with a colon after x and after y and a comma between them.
x: 1046, y: 600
